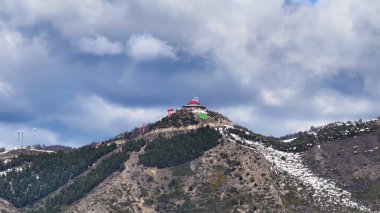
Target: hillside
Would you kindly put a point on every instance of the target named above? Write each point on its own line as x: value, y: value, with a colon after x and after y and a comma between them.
x: 225, y: 178
x: 353, y: 162
x: 306, y: 188
x: 203, y: 163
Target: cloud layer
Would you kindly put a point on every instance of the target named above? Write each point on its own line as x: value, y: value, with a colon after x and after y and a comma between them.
x: 276, y: 66
x: 146, y: 47
x: 99, y: 46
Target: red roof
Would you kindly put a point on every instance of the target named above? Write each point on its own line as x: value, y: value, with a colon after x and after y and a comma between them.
x: 193, y: 102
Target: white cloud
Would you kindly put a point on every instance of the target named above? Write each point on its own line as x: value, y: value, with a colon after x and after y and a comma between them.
x: 145, y: 47
x: 270, y: 98
x: 292, y: 126
x: 242, y: 115
x: 258, y: 122
x: 16, y: 49
x: 73, y: 18
x: 276, y: 97
x: 256, y: 38
x: 10, y: 43
x: 95, y: 114
x: 263, y: 45
x: 100, y: 45
x: 332, y: 103
x: 5, y: 88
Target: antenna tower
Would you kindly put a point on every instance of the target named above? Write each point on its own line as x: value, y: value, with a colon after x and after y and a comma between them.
x: 20, y: 139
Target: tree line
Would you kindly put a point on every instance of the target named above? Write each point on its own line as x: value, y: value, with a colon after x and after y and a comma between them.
x: 83, y: 185
x: 45, y: 172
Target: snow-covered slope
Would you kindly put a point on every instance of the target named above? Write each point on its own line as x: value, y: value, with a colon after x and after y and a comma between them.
x: 323, y: 192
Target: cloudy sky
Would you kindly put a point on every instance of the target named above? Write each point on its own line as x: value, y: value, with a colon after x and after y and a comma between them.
x: 85, y: 70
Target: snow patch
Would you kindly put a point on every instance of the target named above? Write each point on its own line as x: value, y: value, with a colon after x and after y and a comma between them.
x: 17, y: 169
x: 289, y: 140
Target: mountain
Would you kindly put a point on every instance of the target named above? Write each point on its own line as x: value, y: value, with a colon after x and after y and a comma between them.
x: 199, y: 161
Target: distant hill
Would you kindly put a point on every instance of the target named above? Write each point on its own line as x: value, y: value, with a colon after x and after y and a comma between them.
x: 57, y: 148
x: 37, y: 149
x: 9, y: 154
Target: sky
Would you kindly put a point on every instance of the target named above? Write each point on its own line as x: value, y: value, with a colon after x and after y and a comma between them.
x: 77, y: 71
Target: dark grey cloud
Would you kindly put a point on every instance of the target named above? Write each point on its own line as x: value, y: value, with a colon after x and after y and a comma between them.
x: 86, y: 70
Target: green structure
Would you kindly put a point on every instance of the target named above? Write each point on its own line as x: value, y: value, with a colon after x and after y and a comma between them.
x: 202, y: 116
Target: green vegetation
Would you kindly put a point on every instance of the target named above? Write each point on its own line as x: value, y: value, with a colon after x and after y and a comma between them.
x: 182, y: 170
x: 44, y: 173
x: 14, y: 162
x: 182, y: 148
x: 134, y: 146
x: 84, y: 185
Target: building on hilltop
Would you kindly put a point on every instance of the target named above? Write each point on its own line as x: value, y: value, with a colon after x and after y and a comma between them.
x: 194, y: 104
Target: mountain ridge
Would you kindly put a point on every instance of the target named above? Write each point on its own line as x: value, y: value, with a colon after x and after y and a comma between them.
x: 239, y: 163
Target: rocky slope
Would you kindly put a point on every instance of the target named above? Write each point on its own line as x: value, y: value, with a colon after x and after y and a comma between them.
x: 227, y: 178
